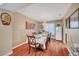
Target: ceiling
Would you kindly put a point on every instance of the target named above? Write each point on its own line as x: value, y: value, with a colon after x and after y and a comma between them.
x: 39, y: 11
x: 14, y: 6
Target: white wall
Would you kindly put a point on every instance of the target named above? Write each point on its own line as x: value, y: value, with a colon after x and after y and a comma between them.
x: 15, y: 33
x: 5, y: 37
x: 71, y: 33
x: 19, y: 30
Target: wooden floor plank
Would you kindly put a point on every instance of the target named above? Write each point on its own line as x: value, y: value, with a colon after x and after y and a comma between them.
x: 55, y: 48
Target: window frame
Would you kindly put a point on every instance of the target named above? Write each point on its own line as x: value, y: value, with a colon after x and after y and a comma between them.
x: 68, y: 20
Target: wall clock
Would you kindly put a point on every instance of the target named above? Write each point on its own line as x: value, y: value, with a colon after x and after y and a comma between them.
x: 5, y: 18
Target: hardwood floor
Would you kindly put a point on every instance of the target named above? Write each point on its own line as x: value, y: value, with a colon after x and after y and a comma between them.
x: 55, y: 48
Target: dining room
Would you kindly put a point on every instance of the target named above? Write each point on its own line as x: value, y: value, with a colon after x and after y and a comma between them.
x: 39, y: 29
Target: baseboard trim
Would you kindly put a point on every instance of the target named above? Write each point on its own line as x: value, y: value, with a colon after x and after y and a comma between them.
x: 69, y: 51
x: 9, y: 53
x: 19, y: 45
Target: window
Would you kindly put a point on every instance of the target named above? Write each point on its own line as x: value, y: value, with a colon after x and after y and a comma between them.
x: 74, y: 21
x: 74, y: 24
x: 50, y: 27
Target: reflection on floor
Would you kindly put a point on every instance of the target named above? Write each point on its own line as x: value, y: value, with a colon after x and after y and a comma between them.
x: 55, y: 48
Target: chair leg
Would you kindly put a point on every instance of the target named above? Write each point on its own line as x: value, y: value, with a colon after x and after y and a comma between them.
x: 35, y: 50
x: 29, y: 48
x: 46, y: 44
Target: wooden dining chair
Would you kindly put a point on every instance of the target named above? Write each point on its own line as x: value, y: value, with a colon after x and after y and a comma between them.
x: 32, y: 43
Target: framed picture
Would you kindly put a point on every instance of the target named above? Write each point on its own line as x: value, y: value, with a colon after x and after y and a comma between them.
x: 74, y: 20
x: 5, y: 18
x: 33, y: 26
x: 41, y: 26
x: 30, y: 25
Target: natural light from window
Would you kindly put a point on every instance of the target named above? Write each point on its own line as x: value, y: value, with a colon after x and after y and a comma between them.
x: 50, y: 27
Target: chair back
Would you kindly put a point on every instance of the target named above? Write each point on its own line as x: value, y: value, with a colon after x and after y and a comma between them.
x: 31, y: 39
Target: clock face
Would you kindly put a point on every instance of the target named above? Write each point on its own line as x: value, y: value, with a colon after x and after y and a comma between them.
x: 6, y: 18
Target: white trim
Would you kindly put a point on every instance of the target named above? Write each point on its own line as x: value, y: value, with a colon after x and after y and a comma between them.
x: 69, y: 51
x: 9, y: 53
x: 19, y: 45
